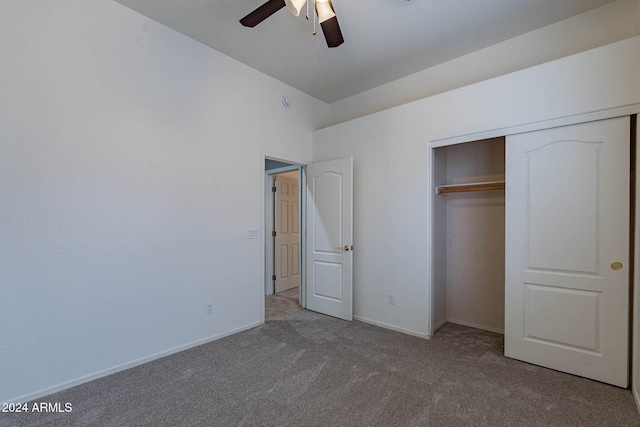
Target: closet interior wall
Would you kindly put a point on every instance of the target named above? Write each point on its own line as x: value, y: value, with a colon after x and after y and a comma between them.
x: 469, y: 236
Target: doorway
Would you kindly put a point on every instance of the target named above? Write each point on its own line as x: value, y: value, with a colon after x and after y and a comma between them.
x: 469, y: 237
x: 283, y: 239
x: 325, y: 230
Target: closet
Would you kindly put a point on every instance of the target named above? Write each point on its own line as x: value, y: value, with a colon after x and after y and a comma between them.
x: 469, y: 231
x: 531, y: 236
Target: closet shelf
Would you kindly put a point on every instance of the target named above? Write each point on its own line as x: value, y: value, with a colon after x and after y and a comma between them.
x: 475, y: 186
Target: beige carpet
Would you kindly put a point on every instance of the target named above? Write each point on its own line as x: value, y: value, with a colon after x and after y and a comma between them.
x: 307, y: 369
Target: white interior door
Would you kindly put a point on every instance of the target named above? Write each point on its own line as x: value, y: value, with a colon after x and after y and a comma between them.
x: 330, y: 237
x: 567, y: 249
x: 287, y: 239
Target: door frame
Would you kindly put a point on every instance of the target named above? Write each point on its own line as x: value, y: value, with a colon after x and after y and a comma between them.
x: 267, y: 252
x: 634, y: 329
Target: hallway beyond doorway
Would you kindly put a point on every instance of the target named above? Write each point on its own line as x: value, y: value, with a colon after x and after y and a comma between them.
x: 282, y: 304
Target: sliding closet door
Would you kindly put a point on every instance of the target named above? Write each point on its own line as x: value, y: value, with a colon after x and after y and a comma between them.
x: 567, y: 249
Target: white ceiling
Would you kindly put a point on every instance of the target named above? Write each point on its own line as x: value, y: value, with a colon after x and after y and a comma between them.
x: 384, y: 39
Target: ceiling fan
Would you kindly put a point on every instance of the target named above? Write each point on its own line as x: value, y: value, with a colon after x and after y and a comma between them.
x: 324, y: 10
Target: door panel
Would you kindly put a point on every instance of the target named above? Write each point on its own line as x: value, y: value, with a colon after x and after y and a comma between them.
x: 564, y: 242
x: 329, y: 237
x: 567, y: 222
x: 328, y: 280
x: 567, y: 306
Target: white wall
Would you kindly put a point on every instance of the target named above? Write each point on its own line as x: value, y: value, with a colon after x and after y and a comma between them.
x: 610, y: 23
x: 391, y: 164
x: 118, y: 221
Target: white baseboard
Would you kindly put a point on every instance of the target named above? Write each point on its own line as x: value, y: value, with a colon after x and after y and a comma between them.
x: 72, y: 383
x: 475, y: 325
x: 392, y: 327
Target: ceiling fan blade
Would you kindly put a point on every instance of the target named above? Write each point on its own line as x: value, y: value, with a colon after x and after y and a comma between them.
x: 332, y: 33
x: 262, y: 13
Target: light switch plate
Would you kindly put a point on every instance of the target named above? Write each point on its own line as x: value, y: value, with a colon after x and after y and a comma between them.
x: 253, y: 233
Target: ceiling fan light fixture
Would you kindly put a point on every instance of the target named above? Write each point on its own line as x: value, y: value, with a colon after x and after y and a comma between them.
x: 324, y: 9
x: 295, y: 6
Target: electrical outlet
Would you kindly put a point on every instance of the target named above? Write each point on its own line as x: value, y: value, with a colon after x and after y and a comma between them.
x: 209, y: 308
x: 391, y: 299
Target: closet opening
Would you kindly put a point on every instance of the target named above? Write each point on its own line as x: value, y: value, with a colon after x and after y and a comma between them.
x: 469, y: 234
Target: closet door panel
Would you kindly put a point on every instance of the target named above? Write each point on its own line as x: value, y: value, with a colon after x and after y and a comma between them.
x: 563, y: 242
x: 567, y: 249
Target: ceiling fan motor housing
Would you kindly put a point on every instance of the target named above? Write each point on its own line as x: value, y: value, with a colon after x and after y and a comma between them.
x: 295, y: 6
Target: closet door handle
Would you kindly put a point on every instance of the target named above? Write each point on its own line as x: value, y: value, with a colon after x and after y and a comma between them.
x: 347, y: 248
x: 616, y: 266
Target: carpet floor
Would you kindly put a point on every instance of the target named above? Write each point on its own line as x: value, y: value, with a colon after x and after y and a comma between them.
x: 307, y: 369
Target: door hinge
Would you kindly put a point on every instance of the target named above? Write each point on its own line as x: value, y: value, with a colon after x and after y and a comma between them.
x: 273, y: 233
x: 273, y: 277
x: 273, y: 189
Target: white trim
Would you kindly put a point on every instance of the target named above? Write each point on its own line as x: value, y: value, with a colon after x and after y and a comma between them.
x: 128, y: 365
x: 593, y: 116
x: 430, y: 249
x: 268, y: 241
x: 392, y: 327
x: 302, y: 295
x: 635, y: 312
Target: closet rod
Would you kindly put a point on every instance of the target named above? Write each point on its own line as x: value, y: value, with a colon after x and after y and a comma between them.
x: 476, y: 186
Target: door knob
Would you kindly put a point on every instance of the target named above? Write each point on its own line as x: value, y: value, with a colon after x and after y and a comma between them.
x: 348, y: 248
x: 616, y: 265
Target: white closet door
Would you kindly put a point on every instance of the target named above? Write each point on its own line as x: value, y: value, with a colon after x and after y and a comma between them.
x: 567, y: 249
